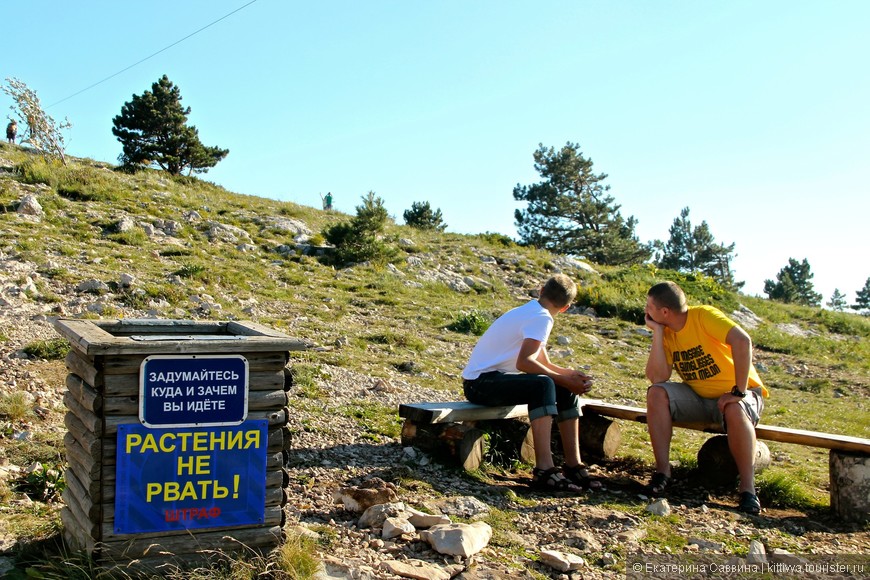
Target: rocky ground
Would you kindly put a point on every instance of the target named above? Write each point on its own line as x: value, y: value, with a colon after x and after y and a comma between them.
x: 602, y: 529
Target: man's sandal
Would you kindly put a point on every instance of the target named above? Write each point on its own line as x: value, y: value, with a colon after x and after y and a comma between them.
x: 658, y: 483
x: 579, y: 474
x: 552, y: 480
x: 749, y: 503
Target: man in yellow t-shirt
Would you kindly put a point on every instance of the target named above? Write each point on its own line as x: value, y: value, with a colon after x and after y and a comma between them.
x: 713, y: 357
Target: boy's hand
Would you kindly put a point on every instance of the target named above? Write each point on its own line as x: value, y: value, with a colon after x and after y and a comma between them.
x: 581, y: 383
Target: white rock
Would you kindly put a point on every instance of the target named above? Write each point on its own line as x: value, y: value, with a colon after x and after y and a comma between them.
x: 422, y: 520
x: 756, y: 553
x: 95, y: 286
x: 375, y: 515
x: 29, y: 206
x: 659, y: 507
x: 458, y: 539
x: 395, y: 527
x: 707, y: 545
x: 127, y: 280
x: 780, y: 556
x: 561, y: 561
x: 416, y: 569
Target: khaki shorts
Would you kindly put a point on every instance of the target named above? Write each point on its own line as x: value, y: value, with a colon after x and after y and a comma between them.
x: 687, y: 406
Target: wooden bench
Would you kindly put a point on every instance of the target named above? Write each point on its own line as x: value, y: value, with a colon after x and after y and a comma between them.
x: 453, y: 427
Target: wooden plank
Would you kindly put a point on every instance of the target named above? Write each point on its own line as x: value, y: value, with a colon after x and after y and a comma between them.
x: 81, y: 334
x: 127, y: 326
x: 79, y: 494
x: 814, y: 439
x: 84, y: 394
x: 86, y: 438
x: 257, y: 361
x: 128, y: 385
x: 73, y: 534
x: 273, y: 517
x: 766, y: 432
x: 457, y: 412
x: 223, y: 540
x: 85, y: 368
x: 83, y: 523
x: 275, y: 418
x: 114, y: 337
x: 91, y: 422
x: 86, y: 466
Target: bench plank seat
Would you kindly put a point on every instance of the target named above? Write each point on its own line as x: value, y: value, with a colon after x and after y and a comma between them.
x: 457, y: 412
x: 462, y: 411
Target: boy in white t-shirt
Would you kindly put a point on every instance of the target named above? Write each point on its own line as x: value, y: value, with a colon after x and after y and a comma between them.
x: 510, y: 366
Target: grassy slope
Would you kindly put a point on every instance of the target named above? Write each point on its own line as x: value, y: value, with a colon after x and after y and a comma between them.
x: 819, y: 383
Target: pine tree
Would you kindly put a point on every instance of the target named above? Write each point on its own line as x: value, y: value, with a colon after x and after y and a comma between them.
x: 570, y: 212
x: 862, y: 298
x: 153, y: 129
x: 422, y: 217
x: 695, y: 250
x: 793, y: 285
x: 838, y: 301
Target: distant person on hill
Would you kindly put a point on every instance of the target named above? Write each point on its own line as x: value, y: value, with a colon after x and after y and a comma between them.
x: 713, y: 357
x: 327, y: 201
x: 510, y: 366
x: 11, y: 131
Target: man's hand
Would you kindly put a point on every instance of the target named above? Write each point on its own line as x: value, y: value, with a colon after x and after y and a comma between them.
x: 726, y: 400
x: 652, y: 324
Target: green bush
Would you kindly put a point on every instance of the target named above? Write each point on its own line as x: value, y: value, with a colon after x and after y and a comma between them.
x: 361, y: 239
x: 54, y: 349
x: 471, y: 322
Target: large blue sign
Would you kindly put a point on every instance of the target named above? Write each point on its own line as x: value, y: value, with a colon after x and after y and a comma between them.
x: 193, y: 390
x: 178, y: 479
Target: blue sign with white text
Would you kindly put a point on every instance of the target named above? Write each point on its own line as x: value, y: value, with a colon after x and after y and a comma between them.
x: 193, y: 390
x: 177, y: 479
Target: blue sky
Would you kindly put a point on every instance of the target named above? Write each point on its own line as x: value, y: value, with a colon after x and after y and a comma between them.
x: 753, y: 114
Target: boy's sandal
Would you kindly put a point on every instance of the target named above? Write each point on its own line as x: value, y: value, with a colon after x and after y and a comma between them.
x: 749, y: 503
x: 579, y: 474
x: 552, y: 480
x: 658, y: 483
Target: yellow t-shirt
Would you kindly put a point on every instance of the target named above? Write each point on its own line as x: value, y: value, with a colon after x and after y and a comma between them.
x: 701, y: 356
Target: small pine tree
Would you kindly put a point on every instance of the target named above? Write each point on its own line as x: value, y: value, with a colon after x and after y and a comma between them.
x: 793, y: 285
x: 693, y: 249
x: 360, y: 239
x: 862, y: 298
x: 838, y: 301
x: 422, y: 217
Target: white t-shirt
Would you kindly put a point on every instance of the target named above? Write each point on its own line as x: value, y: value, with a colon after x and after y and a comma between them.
x: 499, y: 346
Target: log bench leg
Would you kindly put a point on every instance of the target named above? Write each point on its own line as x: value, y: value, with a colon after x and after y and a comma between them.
x: 850, y: 485
x: 461, y: 441
x: 716, y: 464
x: 599, y: 436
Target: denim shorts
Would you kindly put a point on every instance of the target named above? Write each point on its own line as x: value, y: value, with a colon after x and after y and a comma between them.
x: 539, y: 392
x: 687, y: 406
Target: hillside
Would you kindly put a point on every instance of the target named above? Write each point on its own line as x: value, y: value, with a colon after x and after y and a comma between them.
x: 105, y: 244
